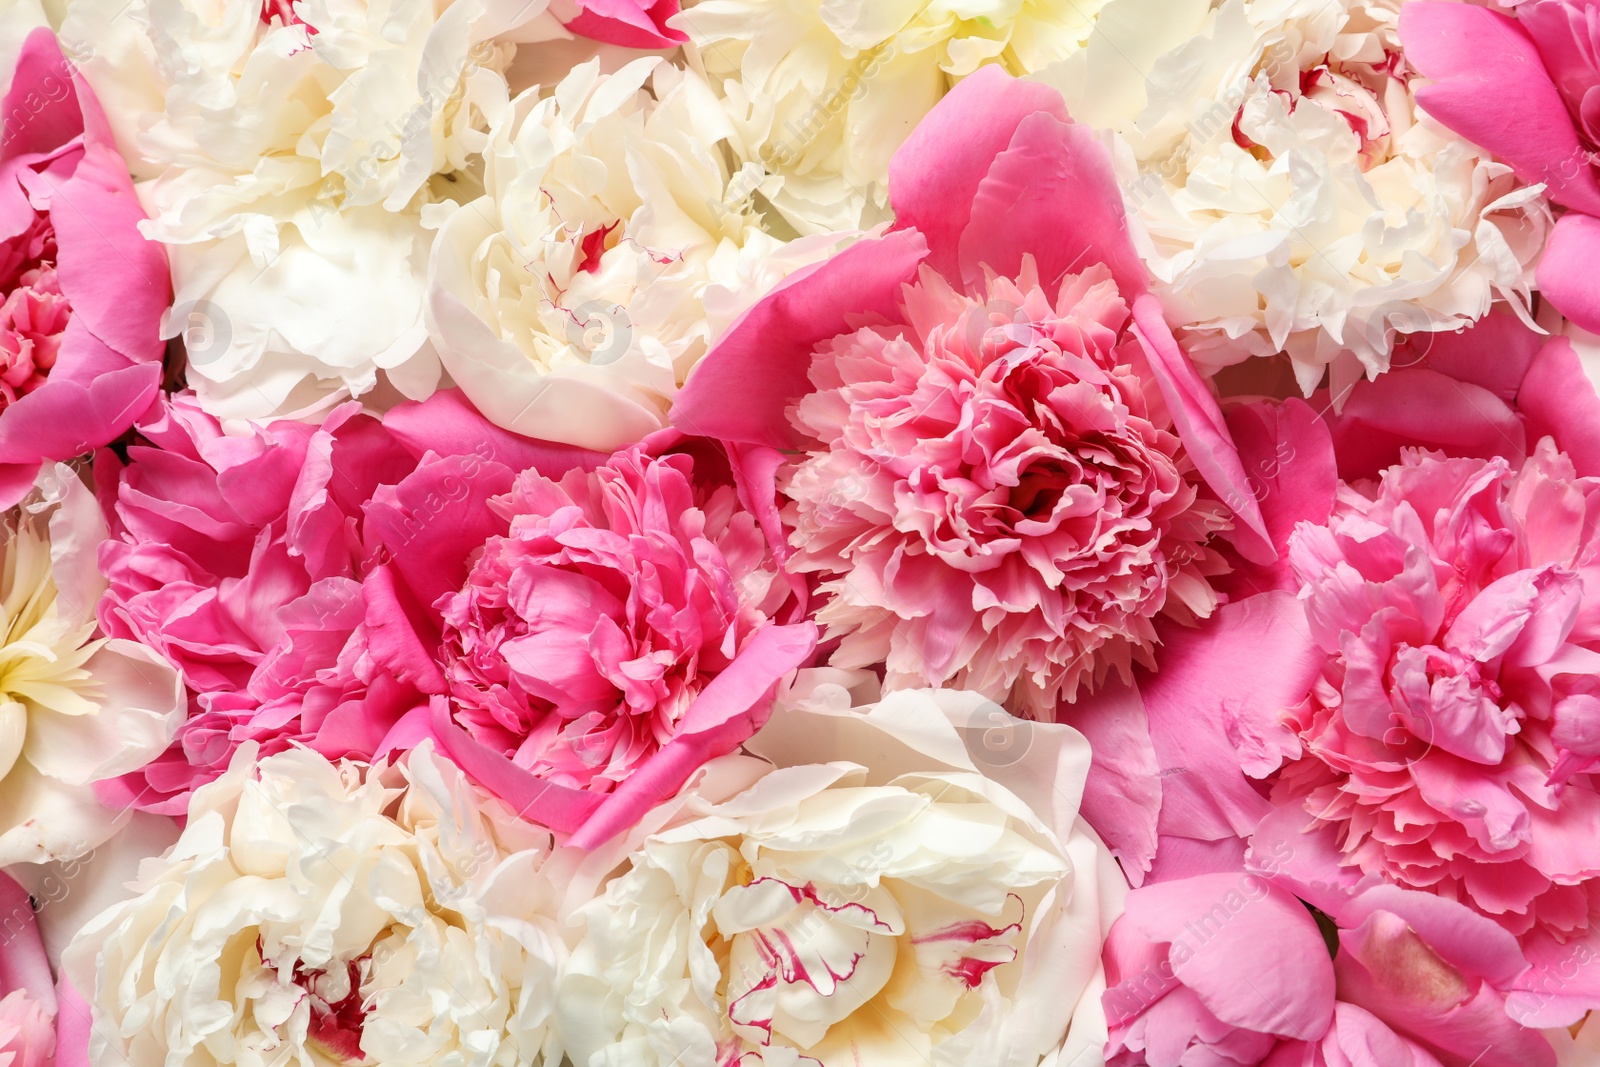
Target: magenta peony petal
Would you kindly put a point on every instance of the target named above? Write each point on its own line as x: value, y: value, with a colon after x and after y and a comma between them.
x: 562, y: 809
x: 935, y: 176
x: 1421, y: 407
x: 44, y: 87
x: 1053, y: 179
x: 1252, y: 659
x: 1250, y: 952
x: 728, y: 711
x: 1122, y: 797
x: 1491, y: 86
x: 1494, y: 352
x: 1287, y: 456
x: 764, y: 357
x: 1557, y: 399
x: 447, y: 424
x: 629, y: 23
x: 1566, y: 274
x: 116, y: 280
x: 1199, y: 420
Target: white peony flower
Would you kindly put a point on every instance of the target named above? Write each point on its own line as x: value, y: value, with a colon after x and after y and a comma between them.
x: 1284, y: 189
x: 307, y: 916
x: 824, y: 91
x: 285, y: 150
x: 75, y: 708
x: 905, y: 909
x: 612, y: 243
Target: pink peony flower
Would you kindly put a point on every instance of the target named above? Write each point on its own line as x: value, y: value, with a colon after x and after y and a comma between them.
x: 81, y: 292
x: 1026, y: 465
x: 1007, y: 469
x: 1449, y: 740
x: 1525, y: 88
x: 1230, y: 968
x: 624, y: 628
x: 1221, y: 968
x: 582, y: 636
x: 264, y: 565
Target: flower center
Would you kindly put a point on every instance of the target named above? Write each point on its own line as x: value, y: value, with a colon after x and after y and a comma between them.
x: 33, y: 314
x: 337, y: 1006
x: 282, y: 11
x: 801, y: 963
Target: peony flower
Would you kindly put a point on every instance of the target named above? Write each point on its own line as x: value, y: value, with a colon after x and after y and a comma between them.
x: 307, y: 916
x: 1286, y: 190
x: 288, y: 151
x: 76, y: 708
x: 1542, y: 63
x: 610, y: 245
x: 254, y: 562
x: 1230, y: 968
x: 259, y: 603
x: 1220, y: 968
x: 903, y: 909
x: 81, y: 293
x: 1445, y: 742
x: 824, y: 93
x: 1004, y: 468
x: 587, y: 644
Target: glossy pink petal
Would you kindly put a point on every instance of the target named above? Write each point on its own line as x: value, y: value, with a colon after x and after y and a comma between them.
x: 1557, y: 399
x: 1567, y: 275
x: 1491, y: 86
x: 629, y: 23
x: 936, y: 175
x: 1251, y: 953
x: 765, y: 356
x: 1053, y: 179
x: 1420, y: 407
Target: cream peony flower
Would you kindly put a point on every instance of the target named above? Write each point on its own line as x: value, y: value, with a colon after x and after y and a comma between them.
x: 904, y: 910
x: 286, y: 149
x: 75, y: 708
x: 824, y: 91
x: 1284, y: 189
x: 612, y: 243
x: 306, y: 916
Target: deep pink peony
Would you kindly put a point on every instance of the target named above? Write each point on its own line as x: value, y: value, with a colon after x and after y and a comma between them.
x: 1526, y: 87
x: 1230, y: 968
x: 628, y: 624
x: 269, y: 566
x: 81, y: 292
x: 1004, y: 469
x: 1451, y: 737
x: 583, y: 636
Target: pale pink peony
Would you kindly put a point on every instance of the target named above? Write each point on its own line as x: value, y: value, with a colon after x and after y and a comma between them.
x: 1000, y: 502
x: 1452, y: 738
x: 27, y: 1032
x: 585, y: 634
x: 1000, y: 464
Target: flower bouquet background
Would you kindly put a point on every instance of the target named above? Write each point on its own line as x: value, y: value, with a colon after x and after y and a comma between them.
x: 1042, y: 533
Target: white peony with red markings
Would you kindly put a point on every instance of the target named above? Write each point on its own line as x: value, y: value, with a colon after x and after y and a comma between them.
x: 906, y: 909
